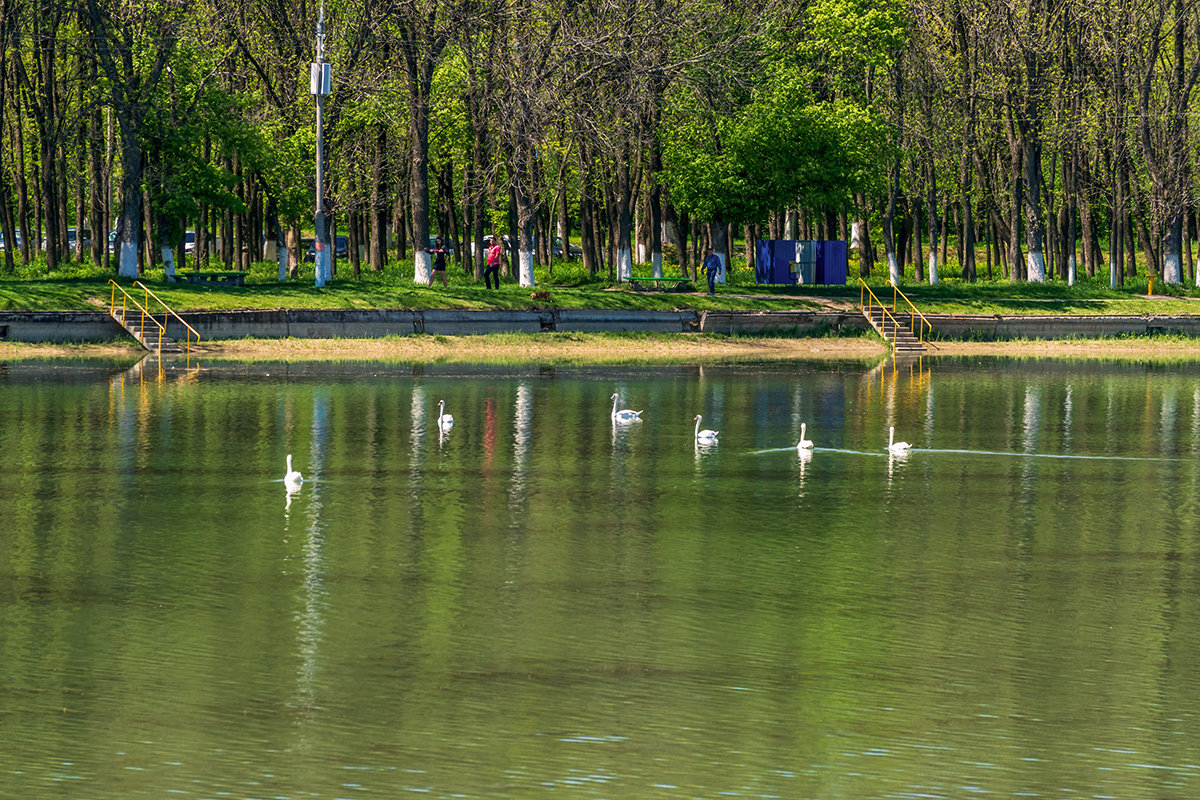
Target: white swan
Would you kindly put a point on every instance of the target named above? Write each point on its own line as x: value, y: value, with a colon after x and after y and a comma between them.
x: 803, y: 444
x: 292, y: 479
x: 899, y: 448
x: 624, y: 415
x: 704, y: 436
x: 445, y: 421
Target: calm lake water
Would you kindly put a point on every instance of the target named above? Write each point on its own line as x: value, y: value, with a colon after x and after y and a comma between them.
x: 540, y: 605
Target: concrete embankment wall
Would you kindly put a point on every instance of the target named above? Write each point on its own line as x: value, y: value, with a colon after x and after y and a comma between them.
x: 86, y: 326
x: 97, y: 326
x: 1050, y: 326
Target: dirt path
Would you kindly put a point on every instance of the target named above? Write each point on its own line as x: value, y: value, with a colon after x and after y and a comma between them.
x: 612, y: 349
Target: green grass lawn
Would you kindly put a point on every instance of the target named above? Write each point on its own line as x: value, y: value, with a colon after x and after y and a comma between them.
x: 77, y: 287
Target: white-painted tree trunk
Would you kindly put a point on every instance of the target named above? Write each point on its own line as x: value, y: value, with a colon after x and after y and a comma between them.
x: 1172, y: 267
x: 1035, y: 263
x: 525, y: 261
x: 657, y: 265
x: 128, y: 259
x: 724, y: 268
x: 893, y: 268
x: 857, y: 239
x: 283, y: 263
x: 624, y: 265
x: 422, y: 265
x: 643, y: 253
x: 168, y: 256
x: 322, y: 268
x: 1071, y: 271
x: 933, y: 278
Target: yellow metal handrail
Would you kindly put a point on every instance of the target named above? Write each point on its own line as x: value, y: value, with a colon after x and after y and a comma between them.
x: 127, y: 299
x: 868, y: 306
x: 924, y: 322
x: 187, y: 339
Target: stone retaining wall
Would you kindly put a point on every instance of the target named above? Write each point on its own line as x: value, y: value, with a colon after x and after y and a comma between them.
x: 96, y: 326
x: 1052, y: 326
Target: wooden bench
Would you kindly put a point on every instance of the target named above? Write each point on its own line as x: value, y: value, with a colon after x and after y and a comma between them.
x: 212, y: 278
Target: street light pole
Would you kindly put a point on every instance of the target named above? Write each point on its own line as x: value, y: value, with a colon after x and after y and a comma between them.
x: 321, y: 78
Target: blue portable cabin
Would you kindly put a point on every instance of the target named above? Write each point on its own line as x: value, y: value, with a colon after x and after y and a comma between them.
x: 786, y: 261
x: 832, y: 267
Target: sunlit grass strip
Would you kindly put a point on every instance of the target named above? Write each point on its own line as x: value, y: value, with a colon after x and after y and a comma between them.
x: 80, y: 287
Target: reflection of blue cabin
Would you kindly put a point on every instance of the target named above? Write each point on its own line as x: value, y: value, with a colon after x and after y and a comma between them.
x: 811, y: 262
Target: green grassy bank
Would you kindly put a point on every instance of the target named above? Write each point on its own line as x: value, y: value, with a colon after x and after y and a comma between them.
x: 80, y: 287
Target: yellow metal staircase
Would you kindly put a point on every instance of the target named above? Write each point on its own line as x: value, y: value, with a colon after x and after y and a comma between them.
x: 904, y: 330
x: 149, y: 330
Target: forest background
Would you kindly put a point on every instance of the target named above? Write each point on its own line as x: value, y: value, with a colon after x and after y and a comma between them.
x: 1034, y: 137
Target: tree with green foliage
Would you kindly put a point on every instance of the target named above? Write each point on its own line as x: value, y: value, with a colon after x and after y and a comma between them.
x: 134, y: 45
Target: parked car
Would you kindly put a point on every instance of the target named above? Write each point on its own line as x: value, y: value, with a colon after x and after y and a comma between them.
x: 189, y: 241
x: 487, y: 242
x: 17, y: 234
x: 573, y: 251
x: 72, y: 234
x: 341, y: 248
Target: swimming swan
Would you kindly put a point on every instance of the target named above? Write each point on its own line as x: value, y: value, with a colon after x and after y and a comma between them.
x: 899, y: 448
x: 704, y: 436
x: 292, y: 479
x: 624, y: 415
x: 803, y: 444
x: 445, y: 421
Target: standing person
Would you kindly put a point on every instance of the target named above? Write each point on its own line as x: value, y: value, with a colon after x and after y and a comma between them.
x: 495, y: 256
x: 439, y: 261
x: 712, y: 266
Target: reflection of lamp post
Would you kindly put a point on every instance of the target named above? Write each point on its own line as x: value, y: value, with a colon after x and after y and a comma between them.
x: 310, y: 617
x: 320, y: 80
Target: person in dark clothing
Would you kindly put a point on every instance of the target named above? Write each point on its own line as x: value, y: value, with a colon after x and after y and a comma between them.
x: 495, y: 257
x: 711, y: 266
x: 439, y: 261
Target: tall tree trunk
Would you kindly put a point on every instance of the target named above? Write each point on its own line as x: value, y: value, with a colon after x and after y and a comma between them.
x: 18, y: 139
x: 450, y: 233
x: 655, y: 202
x: 522, y: 193
x: 968, y: 100
x: 380, y: 208
x: 931, y: 211
x: 1036, y: 264
x: 129, y: 223
x: 1189, y: 217
x: 96, y: 213
x: 918, y: 257
x: 420, y: 75
x: 7, y: 21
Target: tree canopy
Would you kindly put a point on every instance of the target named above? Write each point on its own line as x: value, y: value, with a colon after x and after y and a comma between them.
x: 1049, y: 131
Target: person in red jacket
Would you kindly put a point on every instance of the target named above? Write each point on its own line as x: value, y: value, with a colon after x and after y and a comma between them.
x: 495, y: 257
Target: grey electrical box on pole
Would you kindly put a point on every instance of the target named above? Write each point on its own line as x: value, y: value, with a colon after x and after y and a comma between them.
x: 320, y: 79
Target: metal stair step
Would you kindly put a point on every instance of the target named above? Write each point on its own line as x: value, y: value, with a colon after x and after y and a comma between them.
x: 894, y: 330
x: 168, y: 345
